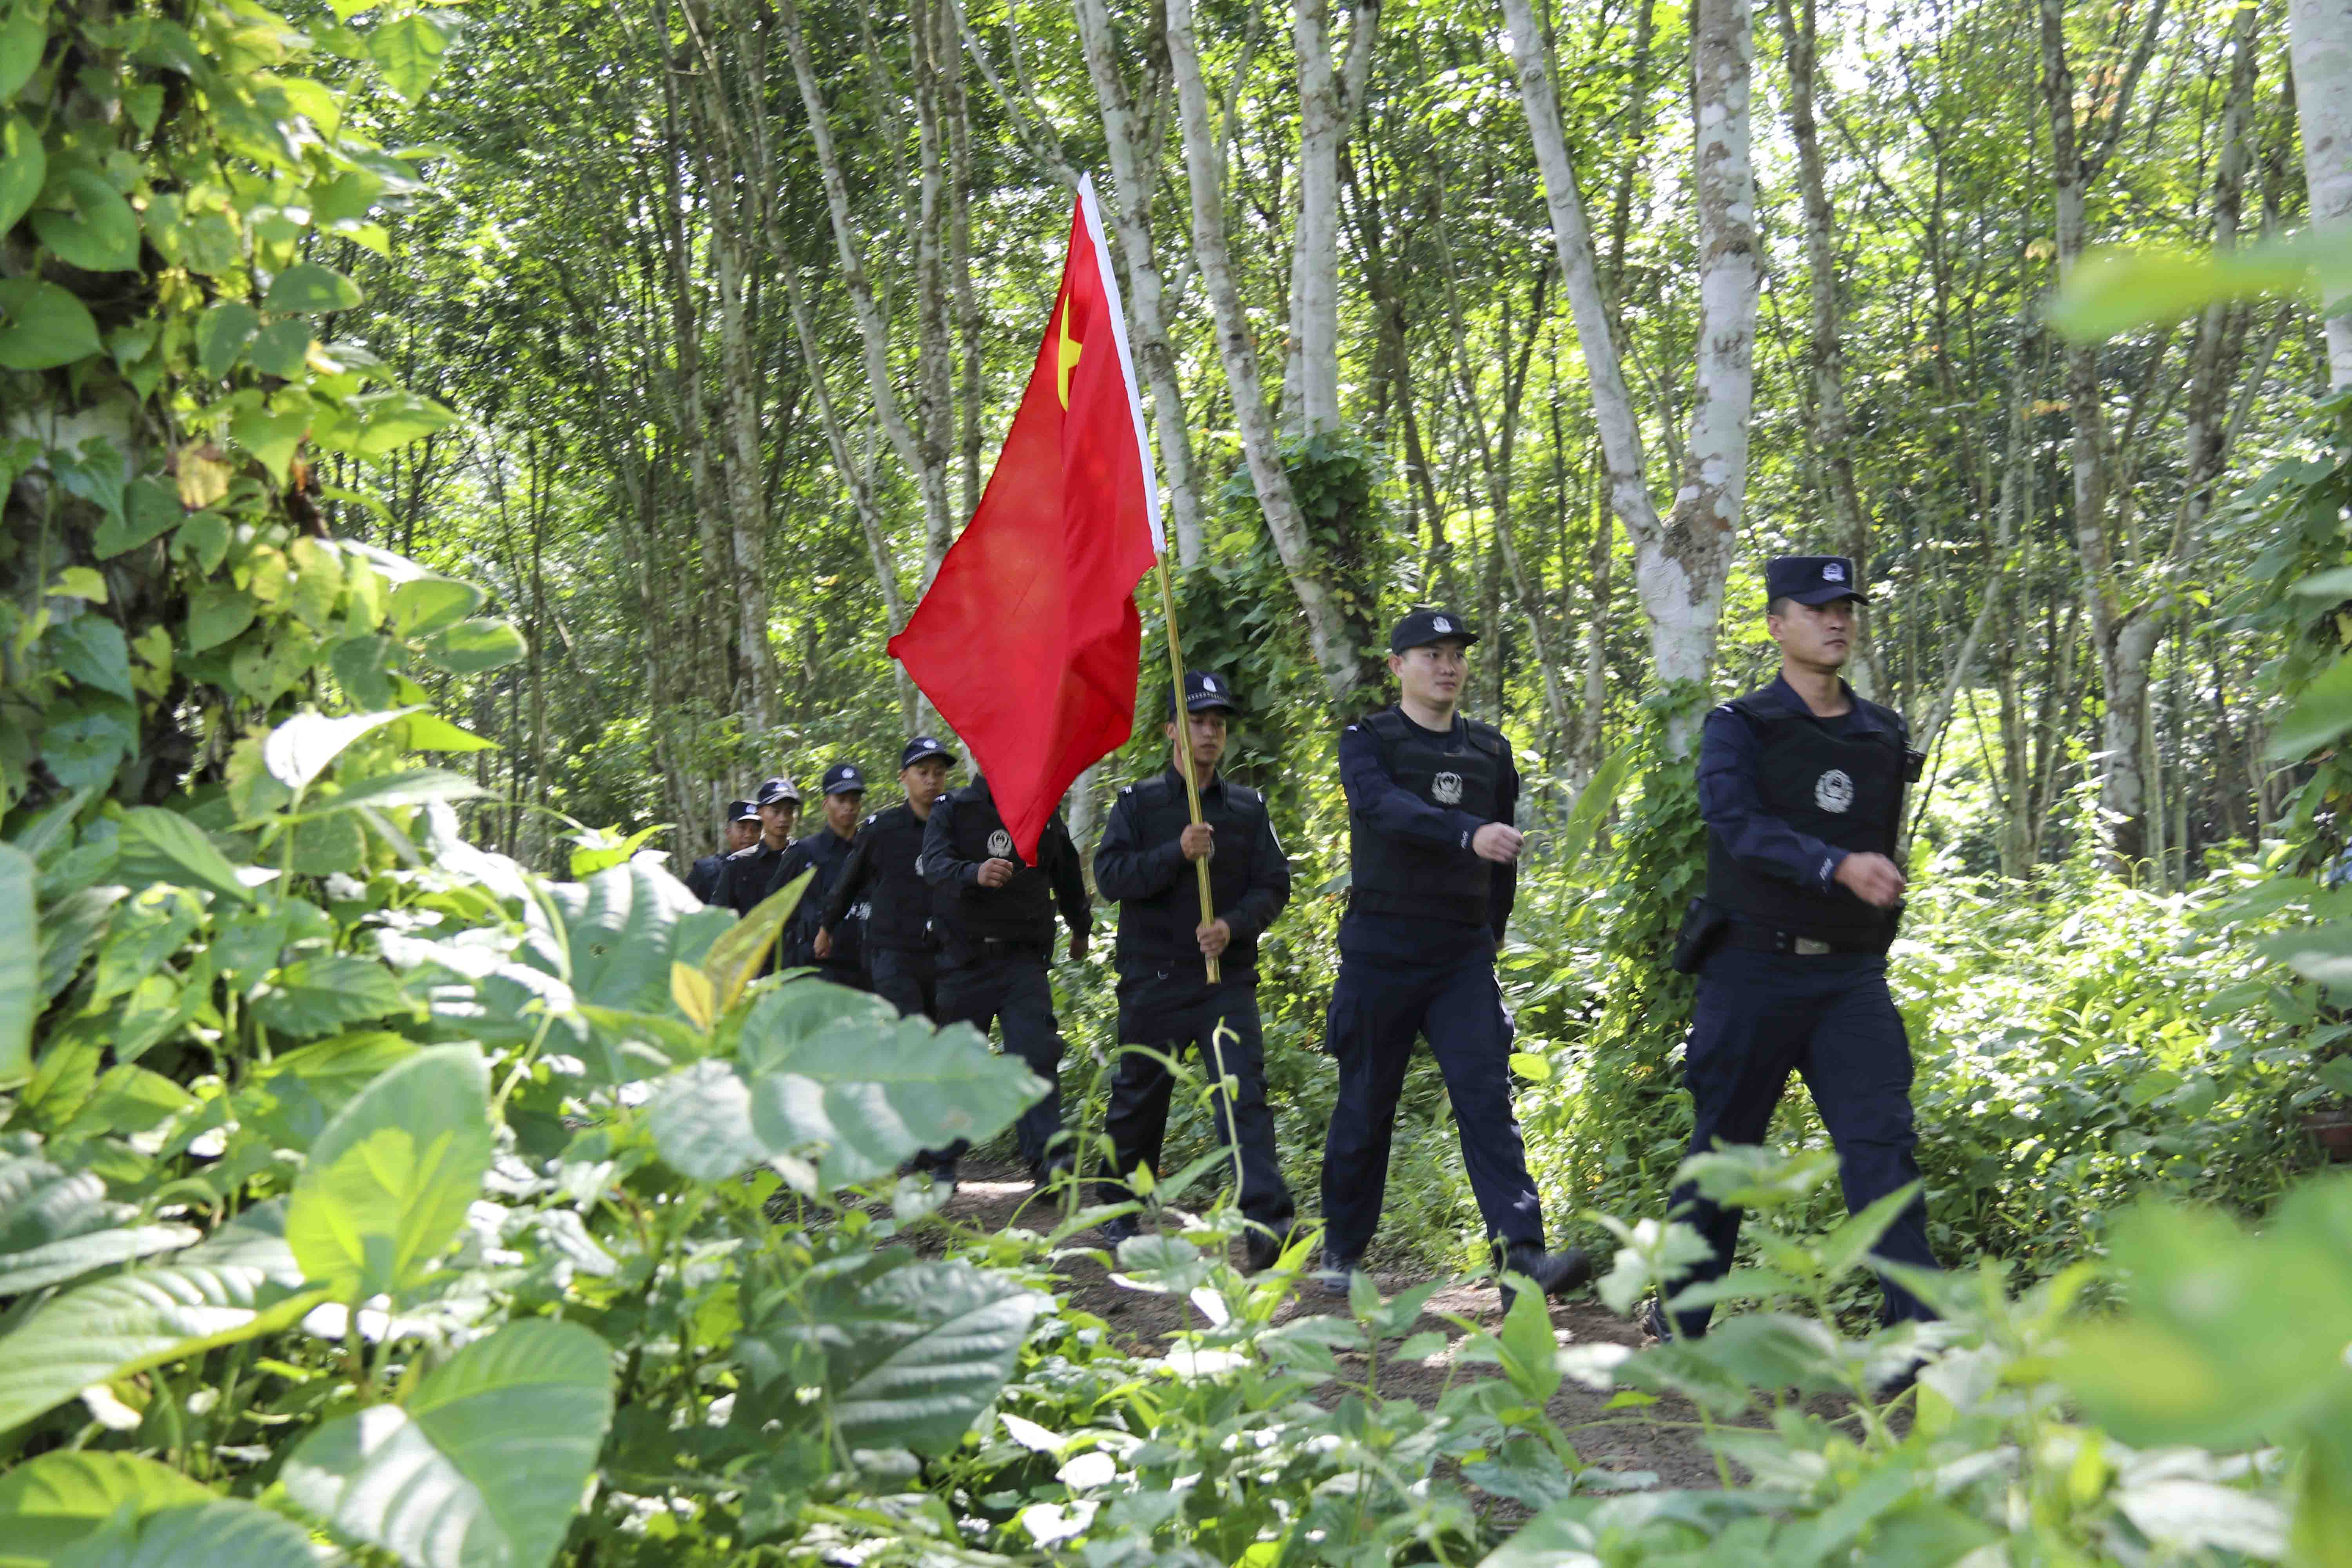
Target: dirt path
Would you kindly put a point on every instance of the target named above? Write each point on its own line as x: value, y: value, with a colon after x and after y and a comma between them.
x: 996, y: 1198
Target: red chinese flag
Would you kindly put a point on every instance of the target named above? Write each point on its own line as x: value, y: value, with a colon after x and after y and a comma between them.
x: 1028, y: 640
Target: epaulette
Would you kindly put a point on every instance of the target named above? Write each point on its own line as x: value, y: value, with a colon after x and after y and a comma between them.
x: 747, y: 850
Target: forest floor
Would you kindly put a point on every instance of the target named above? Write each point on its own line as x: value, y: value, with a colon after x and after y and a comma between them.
x: 1662, y: 1440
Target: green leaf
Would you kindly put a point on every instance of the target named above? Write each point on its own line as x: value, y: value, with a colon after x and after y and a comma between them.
x: 222, y: 334
x: 907, y: 1353
x: 409, y: 51
x: 148, y: 510
x: 217, y: 613
x: 427, y: 603
x: 280, y: 348
x: 230, y: 1289
x: 391, y: 419
x: 362, y: 666
x: 416, y: 787
x: 1530, y: 1355
x: 1593, y: 804
x: 42, y: 326
x: 735, y: 959
x: 309, y: 289
x: 20, y: 963
x: 92, y: 650
x: 223, y: 1532
x: 2320, y: 715
x: 86, y: 741
x: 482, y: 1465
x: 300, y: 749
x: 175, y: 839
x: 100, y: 235
x: 319, y: 995
x: 830, y: 1073
x: 386, y: 1185
x: 273, y: 433
x: 24, y: 166
x: 624, y: 928
x: 294, y: 1096
x: 473, y: 646
x: 431, y: 733
x: 2113, y: 290
x: 49, y: 1503
x: 38, y: 1268
x: 1851, y: 1242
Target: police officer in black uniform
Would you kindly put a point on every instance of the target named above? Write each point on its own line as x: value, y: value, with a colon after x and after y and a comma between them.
x: 1802, y: 785
x: 901, y: 952
x: 995, y: 917
x: 1432, y: 856
x: 740, y: 826
x: 1145, y: 864
x: 825, y: 851
x: 743, y: 881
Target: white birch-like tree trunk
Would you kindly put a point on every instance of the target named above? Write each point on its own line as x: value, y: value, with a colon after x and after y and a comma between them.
x: 1315, y: 258
x: 1132, y: 143
x: 2320, y: 36
x: 1679, y: 566
x: 1832, y: 427
x: 1326, y: 629
x: 873, y: 331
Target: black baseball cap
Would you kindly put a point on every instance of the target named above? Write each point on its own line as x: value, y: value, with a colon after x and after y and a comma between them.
x: 1203, y: 692
x: 743, y: 811
x: 844, y: 778
x: 1811, y: 579
x: 922, y: 748
x: 773, y: 791
x: 1424, y: 626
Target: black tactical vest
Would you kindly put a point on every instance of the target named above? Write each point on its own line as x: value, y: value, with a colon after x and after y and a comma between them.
x: 1022, y: 909
x: 1395, y: 876
x: 1158, y: 930
x: 1844, y: 790
x: 898, y: 905
x: 825, y: 852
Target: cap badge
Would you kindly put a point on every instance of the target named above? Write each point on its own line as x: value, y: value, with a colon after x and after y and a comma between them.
x: 1209, y: 683
x: 1441, y: 625
x: 1832, y: 571
x: 1834, y: 792
x: 1446, y: 788
x: 1000, y: 845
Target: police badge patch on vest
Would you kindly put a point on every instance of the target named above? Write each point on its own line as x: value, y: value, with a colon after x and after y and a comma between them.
x: 1000, y: 845
x: 1834, y: 791
x: 1445, y: 789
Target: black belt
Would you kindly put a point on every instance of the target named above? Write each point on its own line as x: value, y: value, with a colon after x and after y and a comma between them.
x: 1013, y: 947
x: 1770, y: 939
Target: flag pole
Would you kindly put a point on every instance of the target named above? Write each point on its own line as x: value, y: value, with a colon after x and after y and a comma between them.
x: 1184, y: 738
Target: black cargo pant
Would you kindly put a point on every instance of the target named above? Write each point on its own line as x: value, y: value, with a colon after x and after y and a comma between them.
x: 1829, y: 1018
x: 1378, y: 1006
x: 908, y: 980
x: 1011, y: 988
x: 1142, y: 1086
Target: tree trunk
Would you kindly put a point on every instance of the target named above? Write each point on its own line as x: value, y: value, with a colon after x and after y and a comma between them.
x: 1833, y: 430
x: 1315, y: 258
x: 1679, y: 569
x: 1327, y: 632
x: 2320, y: 33
x: 873, y: 329
x: 1131, y: 141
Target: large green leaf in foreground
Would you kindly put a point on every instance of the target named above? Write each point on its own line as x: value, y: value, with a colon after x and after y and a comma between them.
x: 389, y: 1178
x: 909, y: 1352
x: 833, y: 1074
x: 482, y: 1466
x: 241, y: 1283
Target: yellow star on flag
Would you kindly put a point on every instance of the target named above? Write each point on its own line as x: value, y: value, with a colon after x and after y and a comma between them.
x: 1069, y: 350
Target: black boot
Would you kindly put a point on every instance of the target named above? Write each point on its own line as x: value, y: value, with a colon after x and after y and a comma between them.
x: 1554, y: 1273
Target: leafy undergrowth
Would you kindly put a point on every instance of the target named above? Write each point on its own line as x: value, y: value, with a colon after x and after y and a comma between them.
x: 486, y: 1218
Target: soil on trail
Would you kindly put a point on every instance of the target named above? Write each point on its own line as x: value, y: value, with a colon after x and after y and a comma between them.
x: 997, y: 1197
